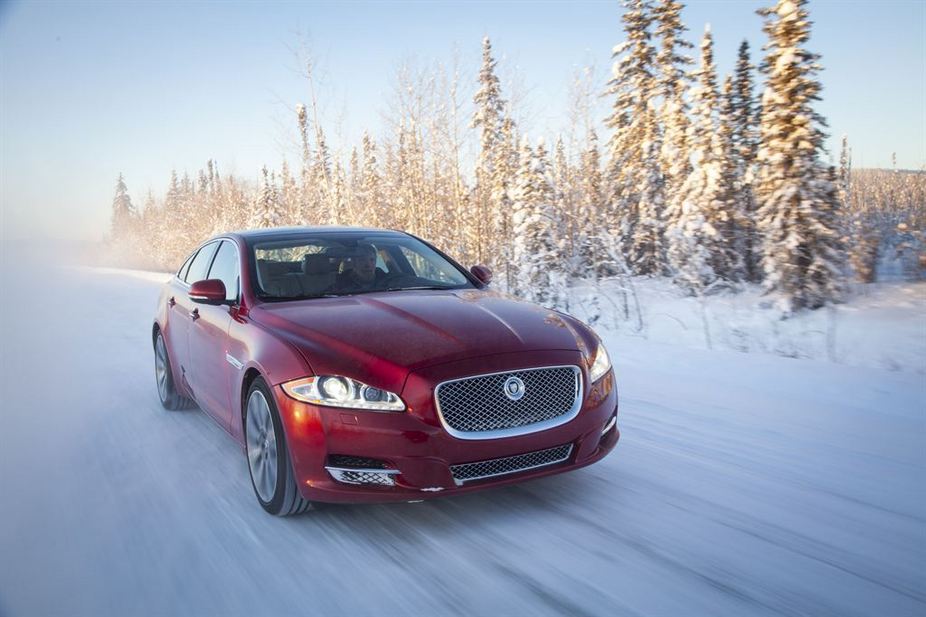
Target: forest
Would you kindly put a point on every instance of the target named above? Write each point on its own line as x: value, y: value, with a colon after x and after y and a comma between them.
x: 713, y: 182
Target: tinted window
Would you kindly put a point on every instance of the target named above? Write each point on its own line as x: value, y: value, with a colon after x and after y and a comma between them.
x: 348, y: 263
x: 225, y: 268
x: 181, y: 274
x: 200, y: 265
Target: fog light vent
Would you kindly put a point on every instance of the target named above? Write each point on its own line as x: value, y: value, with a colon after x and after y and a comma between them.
x: 377, y: 477
x: 355, y: 462
x: 611, y: 423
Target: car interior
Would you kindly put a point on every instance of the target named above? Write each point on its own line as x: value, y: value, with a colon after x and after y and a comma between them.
x: 319, y: 268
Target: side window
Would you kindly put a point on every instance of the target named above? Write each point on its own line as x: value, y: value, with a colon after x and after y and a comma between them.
x: 181, y: 274
x: 427, y: 267
x: 200, y: 264
x: 225, y: 268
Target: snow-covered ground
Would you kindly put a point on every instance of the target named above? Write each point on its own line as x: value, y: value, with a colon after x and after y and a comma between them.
x: 743, y: 484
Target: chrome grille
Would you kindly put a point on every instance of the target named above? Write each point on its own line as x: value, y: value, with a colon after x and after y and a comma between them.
x: 478, y: 407
x: 510, y: 464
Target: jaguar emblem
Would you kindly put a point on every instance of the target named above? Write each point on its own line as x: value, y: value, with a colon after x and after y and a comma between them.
x: 514, y: 388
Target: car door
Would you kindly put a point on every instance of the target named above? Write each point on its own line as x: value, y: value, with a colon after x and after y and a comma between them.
x: 180, y: 309
x: 210, y: 369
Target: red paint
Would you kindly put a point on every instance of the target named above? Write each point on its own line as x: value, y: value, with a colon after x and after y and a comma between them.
x: 405, y: 342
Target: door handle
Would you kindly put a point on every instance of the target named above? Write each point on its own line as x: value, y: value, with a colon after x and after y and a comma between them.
x: 171, y: 302
x: 194, y: 314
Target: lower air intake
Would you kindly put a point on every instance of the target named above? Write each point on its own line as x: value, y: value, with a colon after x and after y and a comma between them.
x: 468, y: 472
x: 376, y: 477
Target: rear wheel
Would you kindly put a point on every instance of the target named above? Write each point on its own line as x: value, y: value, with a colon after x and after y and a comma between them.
x: 268, y: 457
x: 167, y: 388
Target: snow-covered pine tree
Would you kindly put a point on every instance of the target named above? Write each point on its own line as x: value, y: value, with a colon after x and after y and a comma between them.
x: 151, y: 235
x: 489, y: 119
x: 289, y: 197
x: 697, y: 253
x: 124, y: 215
x: 802, y: 255
x: 538, y: 253
x: 337, y: 206
x: 590, y: 212
x: 564, y: 200
x: 735, y: 220
x: 504, y: 177
x: 672, y: 63
x: 174, y: 219
x: 635, y: 186
x: 267, y: 210
x: 845, y: 171
x: 745, y: 140
x: 370, y: 199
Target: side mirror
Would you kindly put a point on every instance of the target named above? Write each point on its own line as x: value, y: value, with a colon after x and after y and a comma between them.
x: 483, y: 274
x: 210, y: 291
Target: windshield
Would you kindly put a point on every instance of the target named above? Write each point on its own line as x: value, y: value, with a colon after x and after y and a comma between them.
x: 324, y: 265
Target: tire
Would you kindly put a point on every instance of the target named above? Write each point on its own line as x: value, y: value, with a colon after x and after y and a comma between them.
x: 271, y: 471
x: 164, y: 378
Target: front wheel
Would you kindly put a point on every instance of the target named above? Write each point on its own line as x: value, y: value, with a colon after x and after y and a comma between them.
x: 268, y: 457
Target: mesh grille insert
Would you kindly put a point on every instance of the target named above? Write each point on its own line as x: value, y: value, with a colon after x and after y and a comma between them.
x: 510, y: 464
x: 480, y: 404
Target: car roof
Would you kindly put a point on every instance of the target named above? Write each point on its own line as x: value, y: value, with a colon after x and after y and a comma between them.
x: 288, y: 232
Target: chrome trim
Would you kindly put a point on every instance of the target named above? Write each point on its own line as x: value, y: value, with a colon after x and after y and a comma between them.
x: 609, y: 425
x: 508, y: 473
x: 520, y: 430
x: 234, y: 361
x: 337, y: 474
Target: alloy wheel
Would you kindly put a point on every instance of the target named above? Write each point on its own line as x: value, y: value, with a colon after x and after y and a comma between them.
x: 262, y: 446
x: 160, y: 367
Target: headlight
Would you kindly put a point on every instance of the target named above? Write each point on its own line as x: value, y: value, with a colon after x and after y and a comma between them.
x: 601, y: 365
x: 337, y: 391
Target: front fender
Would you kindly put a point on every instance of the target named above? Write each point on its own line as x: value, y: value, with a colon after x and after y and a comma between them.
x: 253, y: 351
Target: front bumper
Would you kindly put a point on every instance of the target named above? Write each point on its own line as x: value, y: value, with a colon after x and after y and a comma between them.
x: 419, y: 451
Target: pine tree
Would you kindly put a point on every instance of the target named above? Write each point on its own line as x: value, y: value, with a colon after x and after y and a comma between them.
x: 564, y: 201
x: 537, y: 252
x: 267, y: 211
x: 802, y: 253
x: 744, y: 119
x: 672, y: 63
x: 734, y: 218
x: 699, y: 250
x: 589, y: 211
x: 504, y: 176
x: 370, y: 197
x: 636, y: 190
x: 124, y: 214
x: 289, y: 197
x: 489, y: 119
x: 175, y: 220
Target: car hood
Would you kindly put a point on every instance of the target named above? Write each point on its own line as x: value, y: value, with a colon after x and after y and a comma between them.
x: 373, y: 335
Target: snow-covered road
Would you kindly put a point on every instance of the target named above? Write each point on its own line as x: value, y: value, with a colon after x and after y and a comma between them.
x: 743, y: 484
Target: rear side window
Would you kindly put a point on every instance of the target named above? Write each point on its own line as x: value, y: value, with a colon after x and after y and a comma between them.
x: 225, y: 268
x: 200, y: 264
x: 181, y: 274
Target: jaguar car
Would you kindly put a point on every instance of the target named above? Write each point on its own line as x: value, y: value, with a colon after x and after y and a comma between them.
x: 364, y: 365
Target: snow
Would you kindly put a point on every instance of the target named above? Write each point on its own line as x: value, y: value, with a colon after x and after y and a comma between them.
x: 743, y: 484
x: 879, y: 326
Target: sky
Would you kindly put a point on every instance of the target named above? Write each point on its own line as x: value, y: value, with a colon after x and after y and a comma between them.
x: 89, y: 90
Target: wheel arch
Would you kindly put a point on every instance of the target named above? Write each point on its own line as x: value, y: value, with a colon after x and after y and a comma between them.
x: 249, y: 376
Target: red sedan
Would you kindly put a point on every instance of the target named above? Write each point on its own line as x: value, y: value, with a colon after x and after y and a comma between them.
x: 361, y: 365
